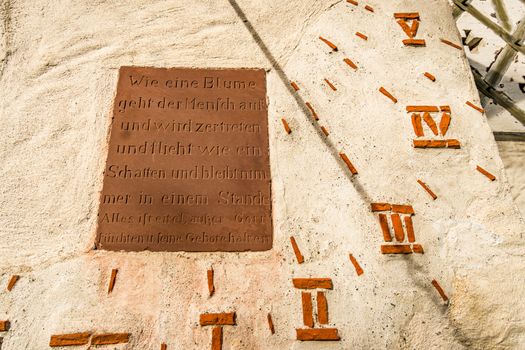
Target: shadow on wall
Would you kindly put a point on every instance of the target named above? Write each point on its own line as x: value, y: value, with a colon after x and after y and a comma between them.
x: 300, y: 102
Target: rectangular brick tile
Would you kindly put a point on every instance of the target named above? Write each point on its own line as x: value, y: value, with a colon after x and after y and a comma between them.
x: 396, y: 249
x: 110, y: 338
x: 320, y: 334
x: 322, y: 308
x: 312, y: 283
x: 69, y: 339
x: 213, y: 319
x: 308, y: 316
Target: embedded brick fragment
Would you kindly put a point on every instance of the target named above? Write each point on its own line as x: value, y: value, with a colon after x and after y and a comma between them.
x: 387, y: 94
x: 426, y: 188
x: 357, y: 267
x: 407, y: 15
x: 308, y: 317
x: 312, y: 283
x: 369, y: 8
x: 430, y: 122
x: 440, y: 290
x: 4, y: 326
x: 445, y: 108
x: 12, y: 282
x: 414, y: 42
x: 444, y: 123
x: 416, y: 124
x: 353, y: 2
x: 479, y: 109
x: 286, y: 126
x: 322, y: 308
x: 422, y: 109
x: 214, y: 319
x: 381, y: 206
x: 418, y: 248
x: 396, y: 249
x: 414, y: 27
x: 110, y: 338
x: 325, y: 131
x: 69, y: 339
x: 410, y: 229
x: 350, y: 63
x: 211, y: 285
x: 329, y: 43
x: 408, y: 31
x: 270, y: 324
x: 298, y: 255
x: 316, y: 117
x: 384, y: 228
x: 361, y: 35
x: 295, y: 86
x: 318, y: 334
x: 430, y: 76
x: 403, y: 209
x: 450, y: 43
x: 330, y: 84
x: 486, y: 173
x: 348, y: 163
x: 450, y: 143
x: 398, y: 227
x: 112, y: 280
x: 216, y: 338
x: 163, y: 346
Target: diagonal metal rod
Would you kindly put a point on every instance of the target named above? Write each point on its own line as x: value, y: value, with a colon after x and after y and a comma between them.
x: 499, y: 97
x: 502, y: 33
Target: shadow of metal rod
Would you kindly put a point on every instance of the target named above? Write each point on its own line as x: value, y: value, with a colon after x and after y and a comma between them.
x: 300, y: 102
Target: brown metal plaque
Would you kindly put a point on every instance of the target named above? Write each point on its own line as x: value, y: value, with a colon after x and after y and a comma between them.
x: 188, y: 164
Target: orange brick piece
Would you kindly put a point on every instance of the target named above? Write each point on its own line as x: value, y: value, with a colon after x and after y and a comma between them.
x: 110, y: 338
x: 220, y: 319
x: 286, y: 126
x: 410, y: 229
x: 402, y: 209
x: 381, y: 206
x: 353, y: 2
x: 414, y: 42
x: 298, y: 255
x: 163, y: 346
x: 325, y: 131
x: 486, y: 173
x: 216, y: 338
x: 429, y: 191
x: 295, y: 86
x: 322, y: 308
x: 319, y: 334
x: 479, y: 109
x: 450, y: 43
x: 348, y: 163
x: 361, y: 35
x: 430, y: 122
x: 369, y: 8
x: 312, y: 283
x: 444, y: 123
x: 308, y: 316
x: 357, y: 267
x: 398, y: 227
x: 69, y: 339
x: 440, y: 290
x: 430, y: 76
x: 112, y: 280
x: 408, y: 31
x: 316, y: 117
x: 407, y: 15
x: 387, y: 94
x: 270, y: 324
x: 329, y: 43
x: 350, y: 63
x: 418, y: 248
x: 451, y: 143
x: 396, y: 249
x: 422, y: 109
x: 384, y: 227
x: 416, y: 124
x: 211, y: 285
x: 12, y: 282
x: 4, y: 326
x: 330, y: 84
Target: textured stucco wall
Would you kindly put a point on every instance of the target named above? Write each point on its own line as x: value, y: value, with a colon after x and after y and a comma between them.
x: 59, y: 71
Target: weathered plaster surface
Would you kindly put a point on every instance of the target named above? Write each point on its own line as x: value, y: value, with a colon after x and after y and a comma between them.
x: 57, y: 87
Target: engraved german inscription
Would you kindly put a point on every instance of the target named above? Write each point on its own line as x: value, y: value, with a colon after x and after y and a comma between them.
x: 188, y: 163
